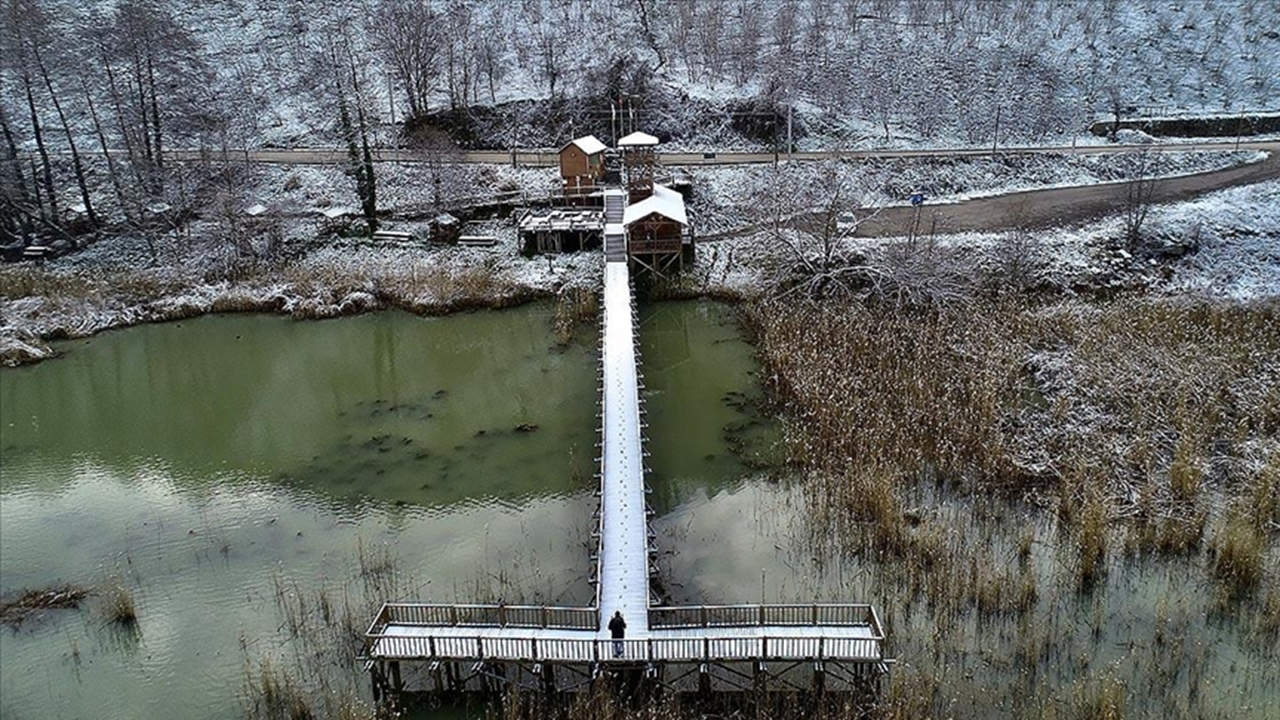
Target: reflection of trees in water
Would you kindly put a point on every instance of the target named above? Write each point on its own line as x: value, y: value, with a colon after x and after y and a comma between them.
x: 664, y: 333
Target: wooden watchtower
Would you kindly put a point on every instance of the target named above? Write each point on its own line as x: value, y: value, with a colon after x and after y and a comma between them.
x: 639, y: 164
x: 657, y: 226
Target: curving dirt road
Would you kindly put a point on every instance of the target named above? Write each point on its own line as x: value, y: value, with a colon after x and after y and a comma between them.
x: 1063, y: 205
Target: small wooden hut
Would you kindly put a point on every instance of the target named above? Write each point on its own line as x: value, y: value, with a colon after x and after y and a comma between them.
x: 581, y: 165
x: 658, y: 233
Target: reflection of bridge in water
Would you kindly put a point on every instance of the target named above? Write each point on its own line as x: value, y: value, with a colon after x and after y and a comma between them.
x: 816, y: 648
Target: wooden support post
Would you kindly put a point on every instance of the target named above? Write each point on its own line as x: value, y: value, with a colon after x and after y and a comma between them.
x: 819, y: 679
x: 396, y: 681
x: 760, y: 679
x: 451, y: 674
x: 501, y: 671
x: 704, y: 679
x: 375, y: 679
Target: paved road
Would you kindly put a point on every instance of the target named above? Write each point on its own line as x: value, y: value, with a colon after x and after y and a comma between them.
x: 1063, y: 205
x: 549, y: 158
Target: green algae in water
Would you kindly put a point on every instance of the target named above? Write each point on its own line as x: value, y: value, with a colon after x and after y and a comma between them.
x: 210, y: 463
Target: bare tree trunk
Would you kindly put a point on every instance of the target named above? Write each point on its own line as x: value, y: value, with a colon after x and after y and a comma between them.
x: 142, y: 109
x: 21, y: 213
x: 40, y: 147
x: 355, y: 133
x: 106, y: 151
x: 130, y: 146
x: 1136, y: 203
x: 155, y: 114
x: 76, y: 165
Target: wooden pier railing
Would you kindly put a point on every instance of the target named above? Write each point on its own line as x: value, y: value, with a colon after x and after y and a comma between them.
x: 811, y: 615
x: 536, y: 617
x: 704, y: 648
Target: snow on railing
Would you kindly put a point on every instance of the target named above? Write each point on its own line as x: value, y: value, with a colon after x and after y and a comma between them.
x: 703, y: 648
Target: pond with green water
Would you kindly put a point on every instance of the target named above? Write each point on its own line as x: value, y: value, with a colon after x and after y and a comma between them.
x: 218, y: 467
x: 258, y: 484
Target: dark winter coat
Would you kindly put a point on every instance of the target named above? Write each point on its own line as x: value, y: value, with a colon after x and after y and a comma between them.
x: 618, y: 627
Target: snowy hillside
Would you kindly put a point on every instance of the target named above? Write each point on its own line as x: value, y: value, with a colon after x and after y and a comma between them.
x: 711, y: 73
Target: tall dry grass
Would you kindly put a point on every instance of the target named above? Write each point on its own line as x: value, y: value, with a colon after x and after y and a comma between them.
x: 574, y: 307
x: 337, y: 286
x: 65, y: 286
x: 1160, y: 407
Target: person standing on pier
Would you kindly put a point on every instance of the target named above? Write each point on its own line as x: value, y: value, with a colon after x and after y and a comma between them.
x: 618, y: 630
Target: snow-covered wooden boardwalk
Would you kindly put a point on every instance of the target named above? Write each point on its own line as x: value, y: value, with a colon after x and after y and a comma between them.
x: 624, y: 529
x: 472, y: 647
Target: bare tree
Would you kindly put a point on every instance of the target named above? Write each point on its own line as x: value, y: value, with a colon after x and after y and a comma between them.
x: 1017, y: 260
x: 406, y: 32
x: 920, y: 271
x: 441, y: 157
x: 157, y: 83
x: 490, y: 58
x: 812, y: 225
x: 549, y: 55
x: 23, y: 25
x: 345, y: 87
x: 1136, y: 196
x: 17, y: 207
x: 76, y: 165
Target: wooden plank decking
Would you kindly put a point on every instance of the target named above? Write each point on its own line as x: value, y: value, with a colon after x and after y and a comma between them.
x: 693, y: 634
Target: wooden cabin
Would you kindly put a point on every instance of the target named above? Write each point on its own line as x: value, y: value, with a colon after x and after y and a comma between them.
x: 658, y: 233
x: 581, y: 165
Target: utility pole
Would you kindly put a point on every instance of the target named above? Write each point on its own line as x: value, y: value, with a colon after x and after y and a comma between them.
x: 391, y: 98
x: 789, y: 131
x: 995, y: 138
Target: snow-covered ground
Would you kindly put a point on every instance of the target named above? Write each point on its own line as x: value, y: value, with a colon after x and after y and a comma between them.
x: 1223, y: 245
x: 718, y: 191
x: 883, y: 74
x: 1232, y: 239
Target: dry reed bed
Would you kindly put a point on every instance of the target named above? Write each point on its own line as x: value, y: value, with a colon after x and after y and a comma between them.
x: 1074, y: 441
x: 1153, y: 404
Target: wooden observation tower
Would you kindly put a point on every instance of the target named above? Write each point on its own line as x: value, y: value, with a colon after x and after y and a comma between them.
x: 639, y: 164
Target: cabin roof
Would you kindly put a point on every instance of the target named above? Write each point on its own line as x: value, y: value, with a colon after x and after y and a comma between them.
x: 588, y: 144
x: 664, y: 201
x: 638, y: 139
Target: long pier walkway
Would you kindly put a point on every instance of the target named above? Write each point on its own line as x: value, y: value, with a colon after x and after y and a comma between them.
x: 558, y: 649
x: 624, y: 528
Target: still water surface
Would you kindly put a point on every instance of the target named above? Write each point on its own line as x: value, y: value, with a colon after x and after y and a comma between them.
x: 219, y: 465
x: 206, y: 464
